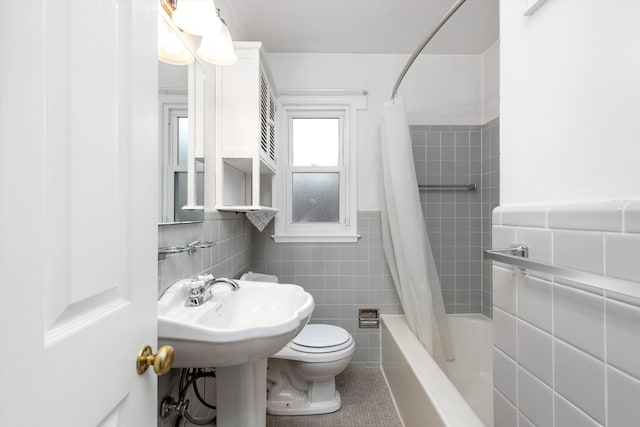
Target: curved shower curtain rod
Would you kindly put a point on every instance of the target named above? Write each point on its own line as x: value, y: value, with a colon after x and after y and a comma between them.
x: 424, y: 43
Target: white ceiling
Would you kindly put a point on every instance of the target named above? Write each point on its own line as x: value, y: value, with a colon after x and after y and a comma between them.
x: 361, y: 26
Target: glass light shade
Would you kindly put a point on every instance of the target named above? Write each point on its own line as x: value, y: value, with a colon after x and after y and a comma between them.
x: 197, y: 17
x: 171, y: 50
x: 217, y: 48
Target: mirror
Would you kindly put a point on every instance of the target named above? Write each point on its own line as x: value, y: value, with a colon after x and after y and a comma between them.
x: 181, y: 136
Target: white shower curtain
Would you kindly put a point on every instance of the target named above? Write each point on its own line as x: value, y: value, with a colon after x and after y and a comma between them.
x: 406, y: 243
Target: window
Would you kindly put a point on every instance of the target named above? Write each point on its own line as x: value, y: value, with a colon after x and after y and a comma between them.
x: 317, y: 172
x: 174, y: 165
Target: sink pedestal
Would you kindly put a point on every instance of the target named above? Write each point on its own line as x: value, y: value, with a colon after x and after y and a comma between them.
x: 241, y: 393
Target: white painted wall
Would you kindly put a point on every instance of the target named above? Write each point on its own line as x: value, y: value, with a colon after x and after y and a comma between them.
x: 439, y: 89
x: 491, y: 82
x: 570, y: 101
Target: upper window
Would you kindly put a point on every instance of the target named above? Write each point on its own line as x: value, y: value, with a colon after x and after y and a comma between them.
x: 318, y: 140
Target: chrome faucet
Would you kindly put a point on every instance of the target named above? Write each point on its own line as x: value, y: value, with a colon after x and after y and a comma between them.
x: 199, y: 292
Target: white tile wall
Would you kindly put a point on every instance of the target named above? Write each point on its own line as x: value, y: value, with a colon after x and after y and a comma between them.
x: 504, y: 332
x: 623, y: 344
x: 535, y: 351
x: 579, y: 250
x: 580, y: 379
x: 605, y: 216
x: 631, y: 217
x: 576, y: 349
x: 567, y: 414
x: 504, y: 375
x: 538, y: 241
x: 531, y: 216
x: 534, y: 399
x: 504, y: 294
x: 623, y: 398
x: 535, y: 302
x: 622, y: 256
x: 579, y: 319
x: 504, y: 413
x: 524, y: 422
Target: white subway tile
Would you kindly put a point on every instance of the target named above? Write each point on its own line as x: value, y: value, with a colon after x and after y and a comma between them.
x: 504, y: 375
x: 631, y: 215
x: 538, y: 241
x: 534, y: 302
x: 504, y: 289
x: 623, y: 344
x: 535, y: 399
x: 580, y: 379
x: 524, y: 422
x: 579, y: 250
x: 568, y: 415
x: 621, y: 255
x: 579, y: 319
x: 525, y: 216
x: 504, y: 413
x: 502, y: 237
x: 496, y: 216
x: 535, y: 352
x: 504, y: 332
x: 592, y: 216
x: 623, y: 395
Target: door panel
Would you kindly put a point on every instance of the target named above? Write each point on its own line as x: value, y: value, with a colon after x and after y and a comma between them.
x: 78, y: 191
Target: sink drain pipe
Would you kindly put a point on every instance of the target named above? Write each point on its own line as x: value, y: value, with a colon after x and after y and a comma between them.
x: 188, y: 378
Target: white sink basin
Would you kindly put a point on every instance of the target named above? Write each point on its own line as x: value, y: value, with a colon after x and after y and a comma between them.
x: 232, y: 328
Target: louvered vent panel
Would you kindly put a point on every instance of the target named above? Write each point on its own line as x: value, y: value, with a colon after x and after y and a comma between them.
x: 272, y: 129
x: 264, y: 118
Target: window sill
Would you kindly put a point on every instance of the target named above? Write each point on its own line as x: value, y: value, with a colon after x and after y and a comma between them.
x: 315, y: 238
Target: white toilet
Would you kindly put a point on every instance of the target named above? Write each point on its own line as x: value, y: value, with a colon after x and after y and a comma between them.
x: 301, y: 376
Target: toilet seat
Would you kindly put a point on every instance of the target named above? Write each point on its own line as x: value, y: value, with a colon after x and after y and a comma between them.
x: 318, y: 338
x: 318, y: 343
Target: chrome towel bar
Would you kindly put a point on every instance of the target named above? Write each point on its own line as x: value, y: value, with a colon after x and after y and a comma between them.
x: 190, y: 247
x: 469, y: 187
x: 517, y: 255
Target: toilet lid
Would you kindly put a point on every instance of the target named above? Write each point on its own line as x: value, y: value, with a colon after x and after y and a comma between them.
x: 321, y: 339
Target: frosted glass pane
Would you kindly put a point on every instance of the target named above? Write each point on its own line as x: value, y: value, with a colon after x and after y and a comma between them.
x: 316, y: 142
x: 183, y: 140
x: 316, y: 197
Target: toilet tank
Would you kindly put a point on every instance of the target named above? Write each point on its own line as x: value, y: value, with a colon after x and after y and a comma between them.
x: 259, y: 277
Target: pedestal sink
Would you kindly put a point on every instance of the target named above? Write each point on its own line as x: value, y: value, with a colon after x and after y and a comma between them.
x: 235, y: 332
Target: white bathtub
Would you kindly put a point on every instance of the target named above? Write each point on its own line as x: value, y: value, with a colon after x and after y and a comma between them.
x: 423, y: 394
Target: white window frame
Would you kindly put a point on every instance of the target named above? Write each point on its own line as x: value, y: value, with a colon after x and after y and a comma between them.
x: 172, y: 107
x: 342, y: 106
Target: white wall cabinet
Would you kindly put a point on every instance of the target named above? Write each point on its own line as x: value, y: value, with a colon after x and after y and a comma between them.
x: 246, y: 151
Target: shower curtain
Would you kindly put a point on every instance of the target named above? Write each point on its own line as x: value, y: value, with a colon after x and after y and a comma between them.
x: 406, y: 244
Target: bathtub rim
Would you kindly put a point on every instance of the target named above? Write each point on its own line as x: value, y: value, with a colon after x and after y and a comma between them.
x: 450, y: 406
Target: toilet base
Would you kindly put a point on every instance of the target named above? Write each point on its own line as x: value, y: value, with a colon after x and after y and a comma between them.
x: 302, y: 406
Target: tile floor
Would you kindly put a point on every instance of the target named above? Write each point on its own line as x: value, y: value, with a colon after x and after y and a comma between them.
x: 365, y: 402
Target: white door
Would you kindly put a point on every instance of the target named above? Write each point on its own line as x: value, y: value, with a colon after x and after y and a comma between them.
x: 78, y: 152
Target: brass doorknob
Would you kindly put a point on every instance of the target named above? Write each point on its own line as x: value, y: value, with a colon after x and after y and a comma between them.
x: 162, y: 361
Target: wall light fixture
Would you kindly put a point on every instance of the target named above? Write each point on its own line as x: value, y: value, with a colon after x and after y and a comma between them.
x: 200, y: 18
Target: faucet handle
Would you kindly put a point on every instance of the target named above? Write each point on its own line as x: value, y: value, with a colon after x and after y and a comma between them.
x: 196, y: 287
x: 206, y: 278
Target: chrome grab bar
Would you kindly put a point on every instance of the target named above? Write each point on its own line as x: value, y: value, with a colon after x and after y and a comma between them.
x: 518, y: 256
x: 469, y: 187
